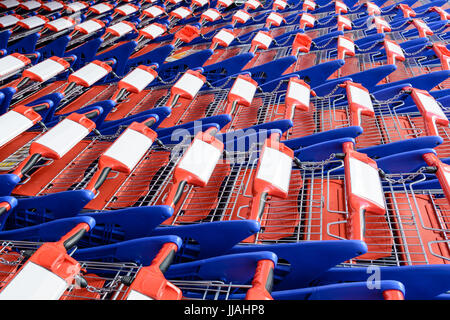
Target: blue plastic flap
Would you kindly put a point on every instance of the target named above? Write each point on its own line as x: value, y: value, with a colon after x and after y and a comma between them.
x: 328, y: 21
x: 53, y: 99
x: 415, y: 44
x: 4, y: 37
x: 105, y: 105
x: 347, y: 132
x: 271, y: 70
x: 341, y: 291
x: 391, y: 91
x: 410, y: 105
x: 432, y: 184
x: 49, y: 231
x: 141, y: 251
x: 330, y: 85
x: 111, y: 127
x: 369, y: 41
x: 322, y: 151
x: 307, y: 259
x: 282, y: 125
x: 6, y: 95
x: 325, y: 39
x: 285, y: 39
x: 25, y: 45
x: 179, y: 135
x: 137, y: 222
x: 280, y: 83
x: 236, y: 268
x: 96, y: 118
x: 421, y: 282
x: 85, y: 53
x: 423, y: 8
x: 369, y: 78
x: 45, y: 113
x: 214, y: 238
x: 4, y: 216
x: 225, y: 68
x: 242, y: 140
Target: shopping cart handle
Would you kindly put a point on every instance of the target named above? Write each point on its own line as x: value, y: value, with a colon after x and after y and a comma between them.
x: 150, y: 122
x: 209, y: 236
x: 323, y: 150
x: 410, y: 161
x: 73, y: 236
x: 237, y: 268
x: 41, y: 107
x: 419, y: 280
x: 46, y: 232
x: 4, y: 208
x: 100, y: 177
x: 93, y: 113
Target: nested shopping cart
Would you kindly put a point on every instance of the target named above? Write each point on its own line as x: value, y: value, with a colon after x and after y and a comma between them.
x: 80, y: 81
x: 393, y: 114
x: 138, y: 269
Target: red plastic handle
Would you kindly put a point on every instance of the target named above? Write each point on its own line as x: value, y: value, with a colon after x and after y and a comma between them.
x: 406, y: 10
x: 422, y: 28
x: 393, y: 295
x: 262, y: 282
x: 358, y: 203
x: 443, y: 54
x: 430, y: 110
x: 301, y: 43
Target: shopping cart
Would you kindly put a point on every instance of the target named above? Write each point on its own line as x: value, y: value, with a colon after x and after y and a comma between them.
x: 48, y: 270
x: 75, y: 280
x: 405, y: 234
x: 114, y: 225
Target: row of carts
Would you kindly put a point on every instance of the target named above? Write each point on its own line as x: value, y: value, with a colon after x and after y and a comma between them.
x: 224, y: 150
